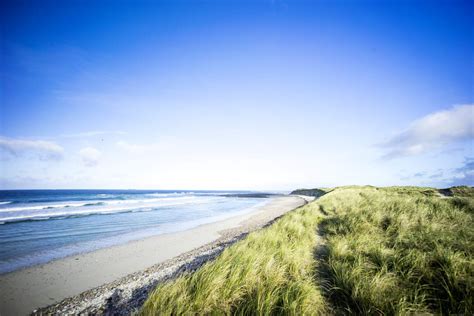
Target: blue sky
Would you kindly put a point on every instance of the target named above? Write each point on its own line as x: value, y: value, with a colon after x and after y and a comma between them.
x: 264, y: 95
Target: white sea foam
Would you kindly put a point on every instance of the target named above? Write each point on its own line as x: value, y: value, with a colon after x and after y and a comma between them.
x: 45, y: 212
x: 44, y: 256
x: 89, y: 203
x: 45, y: 206
x: 36, y: 232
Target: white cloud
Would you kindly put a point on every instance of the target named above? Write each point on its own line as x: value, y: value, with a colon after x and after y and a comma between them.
x: 92, y: 134
x: 90, y: 156
x: 432, y: 132
x: 43, y: 150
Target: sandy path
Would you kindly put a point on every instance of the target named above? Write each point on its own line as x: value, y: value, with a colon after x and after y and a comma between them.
x: 128, y: 268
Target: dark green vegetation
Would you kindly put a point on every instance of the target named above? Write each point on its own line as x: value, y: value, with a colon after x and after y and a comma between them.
x: 363, y: 250
x: 309, y: 192
x: 461, y: 191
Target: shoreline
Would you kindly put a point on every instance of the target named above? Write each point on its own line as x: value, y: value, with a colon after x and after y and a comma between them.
x: 108, y: 242
x: 120, y: 277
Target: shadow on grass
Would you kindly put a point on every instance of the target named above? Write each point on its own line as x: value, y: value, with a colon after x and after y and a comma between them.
x: 339, y: 296
x: 444, y: 292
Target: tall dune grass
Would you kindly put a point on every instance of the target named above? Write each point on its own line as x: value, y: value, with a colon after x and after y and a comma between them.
x: 399, y: 251
x: 393, y: 251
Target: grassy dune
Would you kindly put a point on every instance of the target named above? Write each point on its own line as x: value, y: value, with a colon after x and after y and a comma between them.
x: 398, y: 251
x: 354, y: 250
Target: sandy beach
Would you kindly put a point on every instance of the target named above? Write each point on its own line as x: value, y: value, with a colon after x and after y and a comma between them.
x: 128, y: 267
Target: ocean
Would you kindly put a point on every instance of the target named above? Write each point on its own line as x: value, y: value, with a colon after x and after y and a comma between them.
x: 37, y: 226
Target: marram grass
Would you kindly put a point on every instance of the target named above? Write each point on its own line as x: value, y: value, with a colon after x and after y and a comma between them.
x: 269, y: 272
x: 387, y: 251
x: 399, y: 251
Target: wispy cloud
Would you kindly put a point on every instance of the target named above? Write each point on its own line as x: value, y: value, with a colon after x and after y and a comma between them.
x: 139, y: 148
x: 437, y: 175
x: 424, y: 175
x: 90, y: 156
x: 431, y: 132
x: 43, y: 150
x: 464, y: 174
x: 91, y: 134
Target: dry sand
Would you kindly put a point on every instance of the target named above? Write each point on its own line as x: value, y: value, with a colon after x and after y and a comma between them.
x: 119, y: 278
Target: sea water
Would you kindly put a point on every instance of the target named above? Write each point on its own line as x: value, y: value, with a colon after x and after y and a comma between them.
x: 37, y: 226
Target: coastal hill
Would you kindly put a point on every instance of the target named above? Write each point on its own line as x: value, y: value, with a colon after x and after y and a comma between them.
x: 459, y: 191
x: 310, y: 192
x: 362, y: 250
